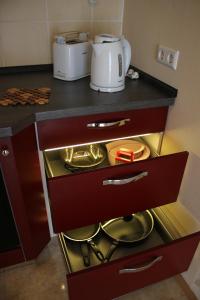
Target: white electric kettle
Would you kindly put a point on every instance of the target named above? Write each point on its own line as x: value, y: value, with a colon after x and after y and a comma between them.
x: 111, y: 58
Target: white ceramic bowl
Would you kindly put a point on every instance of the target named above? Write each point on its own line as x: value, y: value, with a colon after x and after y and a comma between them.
x: 140, y: 150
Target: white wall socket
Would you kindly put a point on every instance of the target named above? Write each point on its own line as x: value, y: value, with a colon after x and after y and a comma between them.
x: 92, y: 2
x: 167, y: 56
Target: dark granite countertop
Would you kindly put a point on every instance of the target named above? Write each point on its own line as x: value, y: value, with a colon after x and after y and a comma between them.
x: 75, y: 98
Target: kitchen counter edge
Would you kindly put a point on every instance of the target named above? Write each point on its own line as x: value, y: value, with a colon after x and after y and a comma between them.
x: 8, y: 130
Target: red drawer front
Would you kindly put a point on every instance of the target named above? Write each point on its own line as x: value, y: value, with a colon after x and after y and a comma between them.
x: 82, y: 199
x: 105, y: 282
x: 71, y: 131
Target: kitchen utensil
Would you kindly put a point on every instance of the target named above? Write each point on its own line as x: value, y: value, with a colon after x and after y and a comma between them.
x: 83, y: 156
x: 124, y: 155
x: 111, y: 58
x: 140, y: 151
x: 71, y: 55
x: 128, y: 230
x: 85, y: 235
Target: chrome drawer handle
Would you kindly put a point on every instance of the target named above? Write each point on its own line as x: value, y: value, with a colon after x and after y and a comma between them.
x: 125, y: 180
x: 108, y: 124
x: 142, y: 268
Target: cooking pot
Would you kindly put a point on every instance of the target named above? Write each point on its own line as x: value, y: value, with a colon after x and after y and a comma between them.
x: 85, y: 156
x: 84, y: 236
x: 128, y: 230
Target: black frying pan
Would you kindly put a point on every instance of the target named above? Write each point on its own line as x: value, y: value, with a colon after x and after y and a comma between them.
x: 128, y: 230
x: 84, y: 235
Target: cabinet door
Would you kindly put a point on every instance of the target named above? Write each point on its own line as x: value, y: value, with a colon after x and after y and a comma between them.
x: 11, y: 257
x: 84, y: 129
x: 81, y: 199
x: 8, y: 230
x: 22, y: 176
x: 10, y: 249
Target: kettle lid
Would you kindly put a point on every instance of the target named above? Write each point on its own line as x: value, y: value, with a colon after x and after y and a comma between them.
x: 106, y: 38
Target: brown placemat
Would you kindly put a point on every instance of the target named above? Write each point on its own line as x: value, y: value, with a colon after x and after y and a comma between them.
x: 14, y: 96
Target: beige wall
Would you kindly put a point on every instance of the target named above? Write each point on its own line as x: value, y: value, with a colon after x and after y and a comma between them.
x: 27, y: 27
x: 107, y: 16
x: 175, y: 24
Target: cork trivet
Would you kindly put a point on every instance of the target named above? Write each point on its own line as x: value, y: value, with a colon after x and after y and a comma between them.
x: 14, y: 96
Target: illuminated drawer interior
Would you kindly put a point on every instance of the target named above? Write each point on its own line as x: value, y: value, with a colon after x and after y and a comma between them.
x: 55, y: 165
x: 171, y: 222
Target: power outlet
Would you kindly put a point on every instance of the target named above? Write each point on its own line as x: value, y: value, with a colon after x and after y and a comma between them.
x: 168, y: 57
x: 92, y: 2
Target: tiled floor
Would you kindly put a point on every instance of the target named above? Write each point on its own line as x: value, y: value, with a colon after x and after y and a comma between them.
x: 44, y: 279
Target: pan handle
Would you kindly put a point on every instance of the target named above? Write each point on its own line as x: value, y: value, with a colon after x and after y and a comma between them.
x: 85, y: 254
x: 141, y: 268
x: 97, y: 252
x: 125, y: 180
x: 111, y: 250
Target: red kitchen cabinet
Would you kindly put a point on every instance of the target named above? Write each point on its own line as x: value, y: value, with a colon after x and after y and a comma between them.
x: 22, y: 180
x: 86, y: 129
x: 91, y: 196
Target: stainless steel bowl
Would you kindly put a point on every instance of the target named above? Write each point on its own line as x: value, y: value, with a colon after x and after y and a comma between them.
x: 83, y: 156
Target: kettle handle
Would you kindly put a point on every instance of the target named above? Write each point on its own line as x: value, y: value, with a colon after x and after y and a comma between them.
x: 127, y: 53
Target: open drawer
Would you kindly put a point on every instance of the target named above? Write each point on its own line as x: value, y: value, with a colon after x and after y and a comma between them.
x: 83, y: 198
x: 167, y: 251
